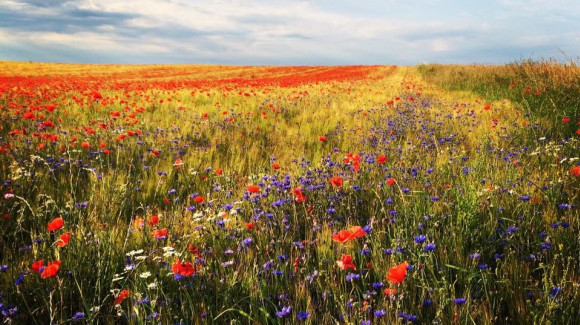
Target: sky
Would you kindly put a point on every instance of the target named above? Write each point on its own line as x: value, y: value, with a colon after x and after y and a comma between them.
x: 288, y: 32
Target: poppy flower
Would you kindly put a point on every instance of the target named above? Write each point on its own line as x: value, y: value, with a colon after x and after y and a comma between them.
x: 565, y: 120
x: 391, y: 181
x: 218, y: 171
x: 178, y: 164
x: 122, y: 295
x: 55, y: 224
x: 250, y: 225
x: 381, y: 159
x: 139, y: 223
x: 344, y: 236
x: 336, y: 181
x: 397, y: 273
x: 51, y: 270
x: 575, y: 171
x: 28, y: 116
x: 390, y: 291
x: 276, y: 166
x: 36, y: 266
x: 253, y: 189
x: 153, y: 220
x: 322, y: 138
x: 357, y: 231
x: 345, y: 262
x: 160, y: 233
x: 198, y: 199
x: 299, y: 196
x: 184, y: 269
x: 64, y: 239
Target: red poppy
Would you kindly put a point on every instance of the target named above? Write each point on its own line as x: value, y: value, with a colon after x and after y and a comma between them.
x: 218, y: 171
x: 299, y: 196
x: 64, y: 239
x: 198, y: 199
x: 29, y: 116
x: 390, y: 291
x: 357, y: 231
x: 55, y: 224
x: 565, y: 120
x: 178, y: 164
x: 51, y: 270
x: 185, y: 269
x: 336, y: 181
x: 381, y: 159
x: 344, y: 236
x: 276, y: 166
x: 153, y: 220
x: 122, y: 295
x: 36, y: 266
x: 253, y: 189
x: 345, y: 262
x: 250, y: 225
x: 397, y: 273
x: 160, y: 233
x: 575, y: 171
x: 391, y: 181
x: 322, y: 138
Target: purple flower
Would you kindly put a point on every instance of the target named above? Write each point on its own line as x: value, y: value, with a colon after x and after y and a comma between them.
x: 352, y: 276
x: 555, y: 291
x: 378, y: 285
x: 286, y: 310
x: 430, y: 247
x: 459, y: 301
x: 420, y: 239
x: 380, y: 313
x: 475, y: 256
x: 247, y: 241
x: 303, y: 315
x: 78, y: 316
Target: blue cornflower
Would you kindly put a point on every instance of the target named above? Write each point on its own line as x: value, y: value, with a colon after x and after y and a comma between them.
x: 352, y: 276
x: 555, y: 291
x: 459, y: 301
x: 380, y: 313
x: 430, y: 247
x: 78, y: 316
x: 420, y: 239
x: 247, y: 241
x: 286, y: 310
x: 303, y: 315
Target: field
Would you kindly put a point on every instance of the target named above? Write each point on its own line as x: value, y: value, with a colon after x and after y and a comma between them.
x: 199, y: 194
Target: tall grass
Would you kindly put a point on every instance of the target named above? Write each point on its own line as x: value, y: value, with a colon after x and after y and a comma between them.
x: 545, y: 89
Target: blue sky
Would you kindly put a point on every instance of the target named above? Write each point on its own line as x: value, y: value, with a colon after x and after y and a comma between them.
x: 288, y: 32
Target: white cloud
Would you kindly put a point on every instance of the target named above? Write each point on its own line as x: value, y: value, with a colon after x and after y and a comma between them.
x: 276, y: 31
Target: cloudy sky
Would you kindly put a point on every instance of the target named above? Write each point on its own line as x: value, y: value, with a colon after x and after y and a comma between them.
x: 288, y: 32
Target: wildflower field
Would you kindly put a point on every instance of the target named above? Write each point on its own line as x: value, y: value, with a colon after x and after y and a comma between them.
x: 200, y: 194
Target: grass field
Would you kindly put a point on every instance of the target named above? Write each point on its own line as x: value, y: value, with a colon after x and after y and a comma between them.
x: 194, y: 194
